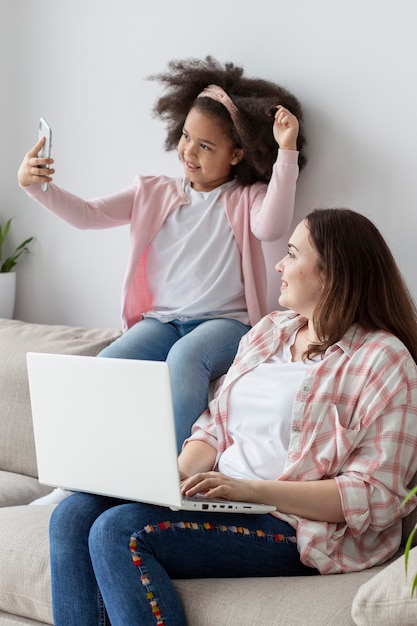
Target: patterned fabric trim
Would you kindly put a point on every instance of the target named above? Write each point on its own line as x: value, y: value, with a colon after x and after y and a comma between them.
x: 204, y: 526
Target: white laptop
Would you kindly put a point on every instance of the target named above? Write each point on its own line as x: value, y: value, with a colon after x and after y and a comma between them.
x: 106, y: 426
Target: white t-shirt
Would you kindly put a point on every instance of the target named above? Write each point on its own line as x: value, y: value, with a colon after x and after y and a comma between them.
x: 194, y: 264
x: 259, y: 422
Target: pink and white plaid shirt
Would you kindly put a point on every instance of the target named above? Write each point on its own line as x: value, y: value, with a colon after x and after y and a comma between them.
x: 354, y: 419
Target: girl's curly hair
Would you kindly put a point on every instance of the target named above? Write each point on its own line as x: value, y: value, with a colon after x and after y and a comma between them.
x: 254, y: 97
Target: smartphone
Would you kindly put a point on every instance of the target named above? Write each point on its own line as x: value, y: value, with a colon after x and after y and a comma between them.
x: 45, y: 131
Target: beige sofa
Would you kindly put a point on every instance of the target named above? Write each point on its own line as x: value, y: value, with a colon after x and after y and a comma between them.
x: 375, y: 597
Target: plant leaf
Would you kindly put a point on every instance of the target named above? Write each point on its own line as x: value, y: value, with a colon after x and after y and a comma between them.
x: 9, y: 263
x: 414, y: 587
x: 3, y: 233
x: 409, y: 495
x: 409, y: 542
x: 408, y: 548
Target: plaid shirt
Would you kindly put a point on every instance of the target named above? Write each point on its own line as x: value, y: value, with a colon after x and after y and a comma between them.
x: 355, y: 420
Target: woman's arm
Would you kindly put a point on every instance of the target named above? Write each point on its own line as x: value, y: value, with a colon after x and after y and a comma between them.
x: 316, y: 500
x: 196, y: 456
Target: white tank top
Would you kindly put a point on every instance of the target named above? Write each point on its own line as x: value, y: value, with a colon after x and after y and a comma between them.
x: 194, y: 264
x: 260, y: 414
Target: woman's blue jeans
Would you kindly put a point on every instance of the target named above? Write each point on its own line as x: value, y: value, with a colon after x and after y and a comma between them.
x: 112, y: 562
x: 197, y: 352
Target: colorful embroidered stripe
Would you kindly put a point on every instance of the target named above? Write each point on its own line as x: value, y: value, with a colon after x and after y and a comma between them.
x: 144, y: 578
x: 164, y: 526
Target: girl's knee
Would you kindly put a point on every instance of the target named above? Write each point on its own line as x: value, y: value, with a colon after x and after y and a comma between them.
x: 185, y: 358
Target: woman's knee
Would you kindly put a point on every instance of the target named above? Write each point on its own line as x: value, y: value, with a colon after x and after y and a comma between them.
x: 65, y: 518
x: 112, y: 524
x: 72, y: 519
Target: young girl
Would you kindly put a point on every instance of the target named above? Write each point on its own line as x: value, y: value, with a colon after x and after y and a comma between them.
x: 195, y: 280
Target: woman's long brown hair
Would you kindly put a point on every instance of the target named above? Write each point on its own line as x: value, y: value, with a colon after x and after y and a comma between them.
x: 362, y: 282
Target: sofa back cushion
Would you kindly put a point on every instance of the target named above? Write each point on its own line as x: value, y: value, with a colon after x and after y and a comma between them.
x: 17, y: 449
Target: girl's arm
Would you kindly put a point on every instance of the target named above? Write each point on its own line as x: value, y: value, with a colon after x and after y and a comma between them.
x: 272, y: 213
x: 113, y: 210
x: 272, y: 210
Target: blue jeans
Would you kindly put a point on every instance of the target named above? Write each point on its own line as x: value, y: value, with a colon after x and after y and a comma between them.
x: 197, y: 352
x: 112, y: 562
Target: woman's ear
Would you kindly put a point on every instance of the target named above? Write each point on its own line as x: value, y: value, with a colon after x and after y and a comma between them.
x: 237, y: 156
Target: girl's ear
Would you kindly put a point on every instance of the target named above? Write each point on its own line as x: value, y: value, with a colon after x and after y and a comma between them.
x: 237, y: 156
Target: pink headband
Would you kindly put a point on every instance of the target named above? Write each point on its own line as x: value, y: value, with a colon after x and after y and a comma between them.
x: 215, y: 92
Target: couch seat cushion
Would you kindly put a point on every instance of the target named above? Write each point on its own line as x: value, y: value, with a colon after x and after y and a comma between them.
x: 315, y: 600
x: 24, y: 557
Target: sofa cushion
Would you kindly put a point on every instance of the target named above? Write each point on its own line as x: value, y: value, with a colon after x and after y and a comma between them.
x: 314, y: 600
x: 386, y: 598
x: 17, y: 452
x: 24, y: 558
x: 19, y: 489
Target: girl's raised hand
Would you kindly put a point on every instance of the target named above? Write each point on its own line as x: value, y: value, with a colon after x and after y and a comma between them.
x: 33, y: 168
x: 285, y: 129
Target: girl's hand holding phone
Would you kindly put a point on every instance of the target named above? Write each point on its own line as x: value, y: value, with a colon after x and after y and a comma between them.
x: 33, y: 168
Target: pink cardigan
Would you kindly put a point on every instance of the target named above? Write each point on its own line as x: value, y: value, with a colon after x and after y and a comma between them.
x: 256, y: 213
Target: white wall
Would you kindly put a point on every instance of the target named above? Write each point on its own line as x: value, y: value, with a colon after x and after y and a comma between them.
x: 82, y: 63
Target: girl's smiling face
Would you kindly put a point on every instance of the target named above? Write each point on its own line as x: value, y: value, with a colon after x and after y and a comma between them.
x: 206, y: 152
x: 301, y: 280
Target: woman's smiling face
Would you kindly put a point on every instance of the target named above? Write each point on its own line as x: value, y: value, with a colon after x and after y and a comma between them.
x: 301, y: 280
x: 206, y: 152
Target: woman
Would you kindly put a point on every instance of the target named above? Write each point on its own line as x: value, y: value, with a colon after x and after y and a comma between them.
x: 317, y: 415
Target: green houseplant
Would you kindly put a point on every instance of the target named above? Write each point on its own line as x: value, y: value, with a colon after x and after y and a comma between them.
x: 408, y: 545
x: 7, y: 273
x: 9, y: 262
